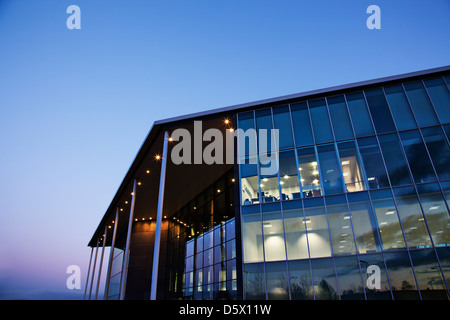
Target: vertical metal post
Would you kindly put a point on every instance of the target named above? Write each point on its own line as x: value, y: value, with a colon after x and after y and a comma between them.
x: 111, y: 255
x: 162, y: 181
x: 87, y: 277
x: 101, y: 262
x: 127, y: 248
x: 93, y: 269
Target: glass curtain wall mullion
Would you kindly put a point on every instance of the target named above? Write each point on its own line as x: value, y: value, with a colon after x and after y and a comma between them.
x: 350, y: 117
x: 292, y: 125
x: 330, y: 119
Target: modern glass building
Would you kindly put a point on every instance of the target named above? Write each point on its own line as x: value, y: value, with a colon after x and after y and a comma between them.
x: 357, y: 208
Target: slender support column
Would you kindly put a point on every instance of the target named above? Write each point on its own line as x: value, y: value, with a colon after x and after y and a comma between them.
x: 127, y: 248
x: 101, y: 262
x: 93, y: 270
x: 159, y: 214
x: 111, y: 255
x: 89, y: 271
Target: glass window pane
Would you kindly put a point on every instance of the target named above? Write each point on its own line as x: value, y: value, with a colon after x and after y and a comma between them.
x: 417, y: 155
x: 290, y: 188
x: 295, y: 231
x: 388, y: 223
x: 429, y: 277
x: 444, y: 260
x: 324, y: 279
x: 254, y: 282
x: 364, y: 223
x: 300, y: 280
x: 436, y: 213
x: 439, y: 151
x: 340, y: 118
x: 274, y: 247
x: 252, y: 239
x: 246, y: 121
x: 351, y: 167
x: 373, y: 163
x: 264, y: 122
x: 269, y: 182
x: 447, y: 131
x: 440, y: 97
x: 309, y: 172
x: 359, y: 114
x: 282, y: 122
x: 379, y: 110
x: 317, y: 228
x: 302, y: 124
x: 400, y: 109
x: 320, y: 121
x: 329, y: 169
x: 413, y: 224
x: 394, y: 159
x: 249, y: 180
x: 338, y: 217
x: 401, y: 276
x: 277, y: 283
x: 373, y: 293
x: 418, y: 158
x: 349, y: 278
x: 420, y: 104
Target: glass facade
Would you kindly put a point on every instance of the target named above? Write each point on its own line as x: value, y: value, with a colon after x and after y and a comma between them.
x: 363, y: 184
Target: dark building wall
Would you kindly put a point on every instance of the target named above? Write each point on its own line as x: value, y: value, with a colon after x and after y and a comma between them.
x: 141, y: 259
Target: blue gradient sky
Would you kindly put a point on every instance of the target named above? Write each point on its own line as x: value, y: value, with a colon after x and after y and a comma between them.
x: 76, y: 105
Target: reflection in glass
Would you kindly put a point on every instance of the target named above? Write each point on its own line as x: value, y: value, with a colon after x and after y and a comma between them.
x: 373, y: 163
x: 420, y: 104
x: 401, y: 276
x: 277, y: 282
x: 302, y: 124
x: 249, y: 180
x: 252, y: 240
x: 372, y: 293
x: 440, y: 97
x: 282, y: 122
x: 351, y: 168
x: 309, y: 172
x: 390, y: 231
x: 349, y: 278
x: 340, y: 118
x: 395, y: 161
x: 317, y: 228
x: 324, y: 279
x: 300, y: 280
x: 428, y: 275
x: 274, y: 246
x: 329, y: 169
x: 413, y: 224
x: 444, y: 260
x: 439, y: 151
x: 364, y: 223
x: 295, y: 231
x: 359, y: 114
x: 290, y: 188
x: 379, y: 110
x: 417, y: 155
x: 400, y: 109
x: 254, y: 282
x: 340, y: 225
x: 436, y: 213
x: 320, y: 121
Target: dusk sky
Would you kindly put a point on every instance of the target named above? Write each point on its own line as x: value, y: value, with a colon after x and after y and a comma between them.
x: 76, y: 105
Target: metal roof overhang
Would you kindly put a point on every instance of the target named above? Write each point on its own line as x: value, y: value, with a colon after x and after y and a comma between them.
x: 180, y: 178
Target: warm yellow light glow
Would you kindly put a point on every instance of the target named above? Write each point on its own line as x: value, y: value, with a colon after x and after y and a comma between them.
x: 139, y: 183
x: 121, y: 209
x: 148, y: 171
x: 157, y: 157
x: 218, y: 190
x: 286, y: 176
x: 232, y: 180
x: 315, y: 181
x: 227, y: 121
x: 170, y: 139
x: 126, y: 202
